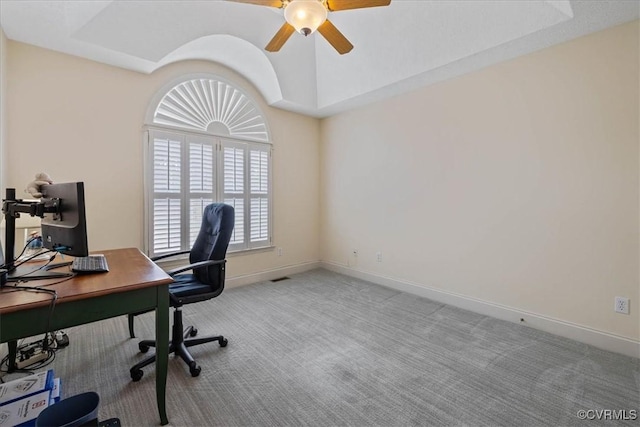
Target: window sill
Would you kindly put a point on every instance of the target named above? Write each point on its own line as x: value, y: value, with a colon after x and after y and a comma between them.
x: 230, y: 254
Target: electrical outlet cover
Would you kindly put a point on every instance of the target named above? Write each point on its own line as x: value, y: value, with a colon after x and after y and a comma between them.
x: 621, y: 305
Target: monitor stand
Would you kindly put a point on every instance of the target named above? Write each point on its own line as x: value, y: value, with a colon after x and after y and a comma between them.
x: 12, y: 207
x: 28, y: 273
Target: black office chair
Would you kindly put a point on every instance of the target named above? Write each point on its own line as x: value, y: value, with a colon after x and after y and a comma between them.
x: 207, y: 260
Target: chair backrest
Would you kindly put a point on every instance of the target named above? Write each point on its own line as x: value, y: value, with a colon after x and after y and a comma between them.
x: 212, y: 243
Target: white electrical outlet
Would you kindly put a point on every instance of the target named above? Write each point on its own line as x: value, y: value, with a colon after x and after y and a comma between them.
x: 379, y: 255
x: 279, y: 251
x: 621, y: 305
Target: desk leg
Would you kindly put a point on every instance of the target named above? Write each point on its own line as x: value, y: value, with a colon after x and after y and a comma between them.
x: 13, y: 354
x: 162, y: 351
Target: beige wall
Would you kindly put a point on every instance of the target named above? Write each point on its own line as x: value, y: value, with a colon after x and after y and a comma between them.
x: 81, y: 120
x: 516, y: 185
x: 3, y: 109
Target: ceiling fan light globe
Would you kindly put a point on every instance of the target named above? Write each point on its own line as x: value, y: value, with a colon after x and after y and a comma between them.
x: 305, y: 15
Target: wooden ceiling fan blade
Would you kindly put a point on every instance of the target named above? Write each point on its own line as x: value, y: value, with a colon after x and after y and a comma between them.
x: 280, y: 38
x: 334, y: 5
x: 335, y: 37
x: 269, y: 3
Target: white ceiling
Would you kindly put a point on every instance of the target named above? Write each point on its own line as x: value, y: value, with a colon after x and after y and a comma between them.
x: 409, y: 44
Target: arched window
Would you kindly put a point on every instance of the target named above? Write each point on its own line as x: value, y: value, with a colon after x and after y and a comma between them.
x: 207, y: 142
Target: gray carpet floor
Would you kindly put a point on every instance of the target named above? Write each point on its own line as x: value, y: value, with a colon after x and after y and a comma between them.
x: 323, y: 349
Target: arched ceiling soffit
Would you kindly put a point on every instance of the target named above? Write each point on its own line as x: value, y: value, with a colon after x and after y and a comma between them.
x: 247, y: 60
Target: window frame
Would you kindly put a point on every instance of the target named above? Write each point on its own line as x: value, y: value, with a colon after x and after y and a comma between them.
x: 218, y: 142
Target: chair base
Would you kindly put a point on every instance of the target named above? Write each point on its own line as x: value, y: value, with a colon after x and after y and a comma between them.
x: 178, y: 345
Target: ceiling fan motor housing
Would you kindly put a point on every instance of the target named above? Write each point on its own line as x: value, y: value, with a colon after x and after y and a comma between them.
x: 305, y: 15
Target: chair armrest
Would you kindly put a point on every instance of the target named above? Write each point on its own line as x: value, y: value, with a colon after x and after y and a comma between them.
x: 156, y: 258
x: 200, y: 264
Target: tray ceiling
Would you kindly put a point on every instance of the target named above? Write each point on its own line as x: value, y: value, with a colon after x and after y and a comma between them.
x: 409, y: 44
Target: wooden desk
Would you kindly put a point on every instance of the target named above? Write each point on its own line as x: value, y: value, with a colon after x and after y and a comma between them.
x: 134, y: 283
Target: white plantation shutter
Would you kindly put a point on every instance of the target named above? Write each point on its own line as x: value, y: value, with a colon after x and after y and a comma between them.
x: 237, y: 238
x: 201, y: 182
x: 201, y: 167
x: 259, y: 196
x: 166, y: 154
x: 234, y: 177
x: 191, y: 171
x: 246, y: 187
x: 183, y: 182
x: 197, y: 103
x: 233, y: 170
x: 166, y: 177
x: 166, y: 223
x: 259, y: 219
x: 208, y: 142
x: 196, y: 208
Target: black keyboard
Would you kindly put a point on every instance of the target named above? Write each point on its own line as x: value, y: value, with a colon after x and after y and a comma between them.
x: 90, y: 264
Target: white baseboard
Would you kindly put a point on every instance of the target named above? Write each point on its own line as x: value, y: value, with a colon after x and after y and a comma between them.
x: 562, y: 328
x: 276, y: 273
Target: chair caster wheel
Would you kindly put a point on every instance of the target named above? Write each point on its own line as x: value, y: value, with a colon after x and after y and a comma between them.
x: 143, y: 348
x: 193, y: 332
x: 194, y: 369
x: 136, y: 375
x: 224, y: 342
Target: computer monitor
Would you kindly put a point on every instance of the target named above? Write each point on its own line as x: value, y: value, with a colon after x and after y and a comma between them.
x: 65, y: 231
x: 63, y: 227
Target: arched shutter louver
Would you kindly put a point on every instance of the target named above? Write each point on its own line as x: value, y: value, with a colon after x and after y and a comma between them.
x: 211, y: 106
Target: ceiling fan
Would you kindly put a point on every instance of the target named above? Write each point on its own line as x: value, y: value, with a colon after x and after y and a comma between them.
x: 307, y: 16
